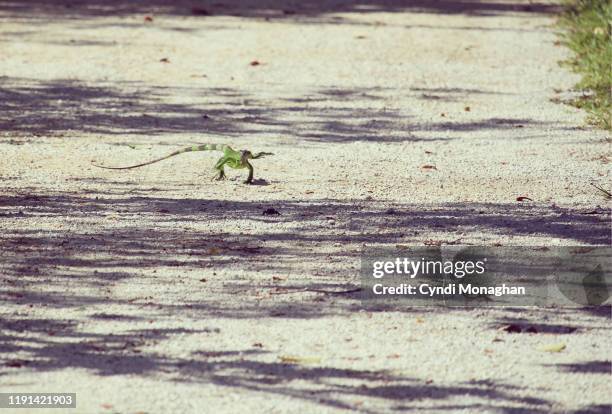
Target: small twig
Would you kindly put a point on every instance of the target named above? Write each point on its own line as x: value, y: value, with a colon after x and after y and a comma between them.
x: 605, y: 193
x: 334, y: 292
x: 327, y: 292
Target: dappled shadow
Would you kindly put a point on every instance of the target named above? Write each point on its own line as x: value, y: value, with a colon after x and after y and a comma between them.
x: 529, y: 326
x: 329, y: 230
x: 268, y: 9
x: 453, y: 94
x: 590, y: 367
x: 594, y: 409
x: 63, y: 108
x: 51, y: 345
x: 113, y: 262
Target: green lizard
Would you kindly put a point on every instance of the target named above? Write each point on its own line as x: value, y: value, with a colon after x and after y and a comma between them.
x: 231, y: 158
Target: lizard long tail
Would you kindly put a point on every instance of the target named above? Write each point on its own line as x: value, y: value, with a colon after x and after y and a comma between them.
x: 205, y: 147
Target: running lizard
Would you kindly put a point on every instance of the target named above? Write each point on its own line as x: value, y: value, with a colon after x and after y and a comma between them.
x: 231, y: 158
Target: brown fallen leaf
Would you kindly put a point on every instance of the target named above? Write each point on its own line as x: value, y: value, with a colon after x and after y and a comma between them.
x: 428, y: 152
x: 164, y: 60
x: 523, y: 198
x: 14, y: 364
x: 255, y: 63
x: 428, y: 167
x: 467, y: 109
x: 148, y: 19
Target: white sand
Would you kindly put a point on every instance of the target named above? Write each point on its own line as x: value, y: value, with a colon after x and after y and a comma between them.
x: 156, y: 290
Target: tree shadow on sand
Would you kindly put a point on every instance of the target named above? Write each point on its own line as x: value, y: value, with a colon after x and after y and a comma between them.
x: 265, y: 9
x: 65, y: 108
x: 82, y: 270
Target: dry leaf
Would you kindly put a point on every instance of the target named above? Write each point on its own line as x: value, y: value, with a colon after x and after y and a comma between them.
x: 164, y: 60
x: 14, y: 364
x: 255, y: 63
x: 148, y: 19
x: 523, y: 198
x: 290, y: 359
x: 554, y: 347
x: 429, y: 167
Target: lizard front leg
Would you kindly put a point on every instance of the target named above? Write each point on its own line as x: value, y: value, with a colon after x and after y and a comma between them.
x: 220, y: 175
x: 249, y: 179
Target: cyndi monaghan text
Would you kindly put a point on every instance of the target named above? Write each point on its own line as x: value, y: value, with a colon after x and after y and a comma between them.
x: 451, y: 289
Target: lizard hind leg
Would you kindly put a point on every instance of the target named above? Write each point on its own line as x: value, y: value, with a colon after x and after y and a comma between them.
x: 220, y: 172
x: 249, y: 180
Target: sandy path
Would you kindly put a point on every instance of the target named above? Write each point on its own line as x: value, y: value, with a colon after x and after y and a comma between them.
x: 158, y: 291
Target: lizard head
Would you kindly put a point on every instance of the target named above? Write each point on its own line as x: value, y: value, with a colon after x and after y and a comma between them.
x: 248, y: 155
x: 245, y: 155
